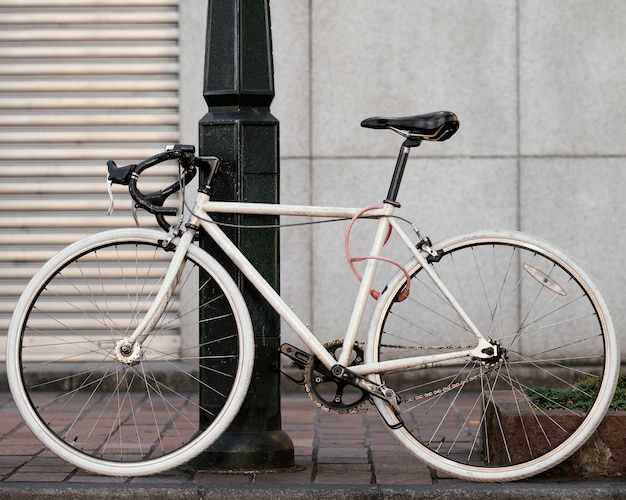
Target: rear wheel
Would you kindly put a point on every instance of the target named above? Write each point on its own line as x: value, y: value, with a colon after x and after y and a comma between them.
x: 489, y: 420
x: 114, y: 407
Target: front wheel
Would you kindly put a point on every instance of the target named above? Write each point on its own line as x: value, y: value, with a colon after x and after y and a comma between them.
x: 536, y: 401
x: 117, y: 408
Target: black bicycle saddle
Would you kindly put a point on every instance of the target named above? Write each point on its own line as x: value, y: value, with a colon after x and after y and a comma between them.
x: 437, y: 126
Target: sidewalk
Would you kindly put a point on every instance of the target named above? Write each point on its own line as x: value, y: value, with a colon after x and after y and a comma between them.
x: 337, y: 456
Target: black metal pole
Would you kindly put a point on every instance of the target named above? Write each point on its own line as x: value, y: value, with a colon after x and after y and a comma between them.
x: 240, y: 130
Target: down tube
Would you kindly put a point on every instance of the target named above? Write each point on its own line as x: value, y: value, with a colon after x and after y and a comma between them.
x: 265, y: 289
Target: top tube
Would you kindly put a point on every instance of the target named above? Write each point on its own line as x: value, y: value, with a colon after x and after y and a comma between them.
x: 294, y: 210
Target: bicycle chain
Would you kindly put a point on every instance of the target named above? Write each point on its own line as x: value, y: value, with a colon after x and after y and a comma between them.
x: 362, y: 409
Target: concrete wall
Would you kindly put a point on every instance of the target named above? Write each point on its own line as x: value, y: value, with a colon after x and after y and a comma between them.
x: 538, y: 87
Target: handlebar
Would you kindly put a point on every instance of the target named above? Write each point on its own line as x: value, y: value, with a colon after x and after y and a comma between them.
x: 153, y: 202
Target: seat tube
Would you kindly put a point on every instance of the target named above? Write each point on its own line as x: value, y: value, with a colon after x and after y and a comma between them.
x: 396, y: 180
x: 366, y: 284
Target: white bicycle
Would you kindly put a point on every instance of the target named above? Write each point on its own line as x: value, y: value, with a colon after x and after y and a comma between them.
x: 464, y: 333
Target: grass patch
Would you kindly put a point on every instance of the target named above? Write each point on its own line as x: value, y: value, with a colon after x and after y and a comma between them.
x: 579, y: 397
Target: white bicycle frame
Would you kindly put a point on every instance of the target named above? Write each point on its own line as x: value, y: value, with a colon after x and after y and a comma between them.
x: 200, y: 217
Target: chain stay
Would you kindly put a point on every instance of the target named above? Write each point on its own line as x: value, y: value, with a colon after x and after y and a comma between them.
x: 361, y: 408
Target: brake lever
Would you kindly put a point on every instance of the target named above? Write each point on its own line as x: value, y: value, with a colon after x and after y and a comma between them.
x: 134, y: 212
x: 111, y: 200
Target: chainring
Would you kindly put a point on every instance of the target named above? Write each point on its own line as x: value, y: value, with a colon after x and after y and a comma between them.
x: 328, y: 392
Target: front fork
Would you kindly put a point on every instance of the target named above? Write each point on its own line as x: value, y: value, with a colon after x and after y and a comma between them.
x: 128, y: 350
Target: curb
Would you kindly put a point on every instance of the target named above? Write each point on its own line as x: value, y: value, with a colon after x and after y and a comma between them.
x: 573, y: 491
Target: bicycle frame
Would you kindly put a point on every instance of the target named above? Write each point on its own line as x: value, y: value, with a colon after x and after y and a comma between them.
x: 200, y: 217
x: 80, y: 346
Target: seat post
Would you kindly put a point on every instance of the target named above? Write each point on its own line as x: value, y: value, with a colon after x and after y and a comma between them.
x: 398, y: 172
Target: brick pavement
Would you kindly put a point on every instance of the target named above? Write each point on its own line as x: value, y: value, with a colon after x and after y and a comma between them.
x: 337, y: 456
x: 329, y: 449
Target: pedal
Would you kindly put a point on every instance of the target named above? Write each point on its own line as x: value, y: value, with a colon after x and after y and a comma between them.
x: 391, y: 397
x: 299, y: 357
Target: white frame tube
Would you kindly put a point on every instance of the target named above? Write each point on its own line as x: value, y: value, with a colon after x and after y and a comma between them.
x: 300, y: 329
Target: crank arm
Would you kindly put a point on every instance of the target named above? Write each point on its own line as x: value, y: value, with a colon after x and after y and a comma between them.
x: 379, y: 391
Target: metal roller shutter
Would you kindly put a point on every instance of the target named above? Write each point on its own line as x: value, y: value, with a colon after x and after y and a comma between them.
x: 81, y: 82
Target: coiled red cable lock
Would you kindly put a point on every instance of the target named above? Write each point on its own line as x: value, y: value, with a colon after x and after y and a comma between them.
x: 351, y: 260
